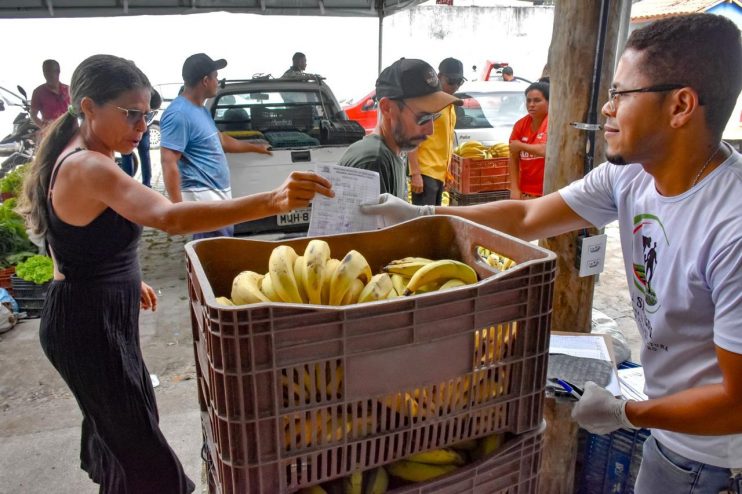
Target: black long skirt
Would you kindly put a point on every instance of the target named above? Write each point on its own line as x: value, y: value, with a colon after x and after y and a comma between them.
x: 90, y: 333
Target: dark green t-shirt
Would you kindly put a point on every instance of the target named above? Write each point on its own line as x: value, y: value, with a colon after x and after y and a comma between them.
x: 371, y: 153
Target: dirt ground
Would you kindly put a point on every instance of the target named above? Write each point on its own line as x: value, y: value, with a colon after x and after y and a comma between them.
x: 40, y: 421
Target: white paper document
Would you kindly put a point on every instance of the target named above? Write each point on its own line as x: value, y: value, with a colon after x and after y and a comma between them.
x: 632, y: 383
x: 341, y: 214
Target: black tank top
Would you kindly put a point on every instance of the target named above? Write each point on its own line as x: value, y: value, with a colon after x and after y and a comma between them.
x: 104, y: 249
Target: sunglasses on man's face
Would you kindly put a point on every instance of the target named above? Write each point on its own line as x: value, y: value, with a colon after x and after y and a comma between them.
x: 455, y: 81
x: 420, y: 118
x: 134, y: 116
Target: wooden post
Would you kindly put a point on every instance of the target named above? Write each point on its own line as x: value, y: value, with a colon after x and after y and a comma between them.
x: 571, y: 60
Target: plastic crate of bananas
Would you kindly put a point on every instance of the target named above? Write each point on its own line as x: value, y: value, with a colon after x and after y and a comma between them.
x: 317, y: 278
x: 477, y: 150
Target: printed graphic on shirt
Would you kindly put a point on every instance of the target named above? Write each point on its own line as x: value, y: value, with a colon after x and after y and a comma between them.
x: 649, y: 240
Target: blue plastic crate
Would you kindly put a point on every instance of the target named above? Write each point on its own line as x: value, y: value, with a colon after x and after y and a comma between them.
x: 611, y: 462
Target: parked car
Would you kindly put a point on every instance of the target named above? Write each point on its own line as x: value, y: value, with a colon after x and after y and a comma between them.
x: 300, y: 119
x: 490, y: 110
x: 364, y: 112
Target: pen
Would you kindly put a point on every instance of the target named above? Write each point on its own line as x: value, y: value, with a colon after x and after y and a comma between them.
x: 570, y: 390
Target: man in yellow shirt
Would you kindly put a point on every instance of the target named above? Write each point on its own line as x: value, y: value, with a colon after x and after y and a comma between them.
x: 429, y: 162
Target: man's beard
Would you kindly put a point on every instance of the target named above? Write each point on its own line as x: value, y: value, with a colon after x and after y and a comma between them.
x: 406, y: 144
x: 616, y: 159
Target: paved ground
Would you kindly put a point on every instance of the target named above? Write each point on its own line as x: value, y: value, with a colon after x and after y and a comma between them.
x: 40, y: 421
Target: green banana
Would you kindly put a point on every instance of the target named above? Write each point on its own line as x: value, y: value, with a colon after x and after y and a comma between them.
x: 377, y: 481
x: 445, y: 269
x: 353, y: 484
x: 316, y: 255
x: 376, y: 289
x: 353, y: 266
x: 418, y: 472
x: 246, y: 288
x: 438, y: 457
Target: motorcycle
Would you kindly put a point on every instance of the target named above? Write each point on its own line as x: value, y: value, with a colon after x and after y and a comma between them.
x: 20, y: 144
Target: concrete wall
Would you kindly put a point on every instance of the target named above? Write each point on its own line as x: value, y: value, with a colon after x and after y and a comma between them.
x: 473, y: 34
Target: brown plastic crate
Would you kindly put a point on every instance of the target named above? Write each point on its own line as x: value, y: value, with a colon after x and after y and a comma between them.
x: 384, y: 348
x: 456, y: 199
x: 472, y: 175
x: 514, y: 468
x: 5, y: 282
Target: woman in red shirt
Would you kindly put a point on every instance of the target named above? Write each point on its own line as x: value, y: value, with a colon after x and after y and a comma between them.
x: 528, y: 145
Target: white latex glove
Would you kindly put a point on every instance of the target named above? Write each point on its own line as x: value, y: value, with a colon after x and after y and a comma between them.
x: 392, y: 210
x: 599, y: 411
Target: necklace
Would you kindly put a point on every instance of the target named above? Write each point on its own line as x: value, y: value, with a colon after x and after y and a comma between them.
x: 703, y: 168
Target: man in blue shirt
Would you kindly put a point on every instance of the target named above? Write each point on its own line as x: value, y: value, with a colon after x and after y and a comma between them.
x: 194, y: 166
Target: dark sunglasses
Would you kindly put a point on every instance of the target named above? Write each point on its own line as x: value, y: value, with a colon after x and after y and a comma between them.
x: 134, y: 116
x: 420, y: 118
x: 455, y: 81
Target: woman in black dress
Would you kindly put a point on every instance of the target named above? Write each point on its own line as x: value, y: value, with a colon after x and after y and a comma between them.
x: 91, y: 214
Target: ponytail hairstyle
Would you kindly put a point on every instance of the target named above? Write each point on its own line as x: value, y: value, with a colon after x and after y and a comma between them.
x: 102, y: 78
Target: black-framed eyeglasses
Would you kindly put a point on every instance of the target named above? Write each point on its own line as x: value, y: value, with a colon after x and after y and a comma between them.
x: 133, y: 116
x: 420, y: 118
x: 613, y: 93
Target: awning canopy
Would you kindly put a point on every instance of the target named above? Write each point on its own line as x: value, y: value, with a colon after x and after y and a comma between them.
x: 108, y: 8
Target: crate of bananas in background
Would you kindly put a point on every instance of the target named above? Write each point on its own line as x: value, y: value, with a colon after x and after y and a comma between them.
x: 478, y: 173
x: 385, y: 361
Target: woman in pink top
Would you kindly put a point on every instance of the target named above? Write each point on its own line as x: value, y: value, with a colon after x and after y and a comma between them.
x: 528, y: 145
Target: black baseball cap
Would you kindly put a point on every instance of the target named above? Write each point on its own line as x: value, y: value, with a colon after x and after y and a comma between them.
x: 200, y: 65
x: 452, y: 67
x: 416, y: 81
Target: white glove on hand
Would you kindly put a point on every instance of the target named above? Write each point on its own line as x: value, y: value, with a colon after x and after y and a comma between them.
x: 392, y: 210
x: 599, y: 411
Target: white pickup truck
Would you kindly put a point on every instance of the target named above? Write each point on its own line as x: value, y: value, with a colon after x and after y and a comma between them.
x: 300, y: 119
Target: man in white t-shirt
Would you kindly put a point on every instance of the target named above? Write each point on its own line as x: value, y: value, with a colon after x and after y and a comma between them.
x: 675, y: 188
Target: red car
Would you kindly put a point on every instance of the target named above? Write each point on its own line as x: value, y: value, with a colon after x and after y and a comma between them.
x: 364, y: 111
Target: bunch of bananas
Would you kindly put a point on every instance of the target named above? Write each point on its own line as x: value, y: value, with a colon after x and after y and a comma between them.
x: 317, y: 278
x: 495, y: 260
x: 419, y: 467
x: 477, y: 150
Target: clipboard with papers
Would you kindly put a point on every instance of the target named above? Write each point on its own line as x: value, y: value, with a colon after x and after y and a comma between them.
x: 580, y: 357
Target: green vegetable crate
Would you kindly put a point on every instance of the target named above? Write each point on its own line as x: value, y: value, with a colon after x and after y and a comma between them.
x: 29, y: 295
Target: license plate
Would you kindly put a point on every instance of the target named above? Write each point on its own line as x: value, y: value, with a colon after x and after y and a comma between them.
x: 295, y: 217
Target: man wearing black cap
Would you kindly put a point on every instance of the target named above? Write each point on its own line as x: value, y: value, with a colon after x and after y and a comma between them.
x: 429, y: 162
x: 410, y: 99
x: 194, y: 166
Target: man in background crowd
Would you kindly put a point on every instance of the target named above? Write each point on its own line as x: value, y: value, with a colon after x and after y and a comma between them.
x: 52, y: 98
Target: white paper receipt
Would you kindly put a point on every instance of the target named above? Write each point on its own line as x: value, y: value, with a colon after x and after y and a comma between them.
x: 341, y: 214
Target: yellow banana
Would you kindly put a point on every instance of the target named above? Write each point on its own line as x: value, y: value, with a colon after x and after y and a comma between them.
x: 467, y: 445
x: 266, y: 287
x: 406, y: 260
x: 376, y: 289
x: 452, y: 283
x: 246, y: 288
x: 300, y: 276
x: 418, y: 472
x: 316, y: 255
x: 353, y: 294
x: 377, y: 481
x: 281, y: 270
x: 488, y: 445
x: 353, y: 484
x: 315, y: 489
x: 353, y: 266
x: 330, y: 268
x: 223, y: 301
x: 407, y: 407
x: 438, y: 457
x: 406, y: 269
x: 400, y: 283
x: 446, y: 269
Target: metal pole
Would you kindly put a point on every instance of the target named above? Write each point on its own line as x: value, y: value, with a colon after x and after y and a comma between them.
x: 592, y: 113
x: 381, y: 38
